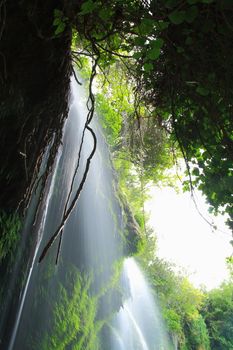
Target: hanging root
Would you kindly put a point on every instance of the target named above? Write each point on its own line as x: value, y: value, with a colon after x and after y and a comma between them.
x: 74, y: 201
x: 67, y: 210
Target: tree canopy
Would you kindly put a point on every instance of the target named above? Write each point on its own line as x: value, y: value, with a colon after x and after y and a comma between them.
x: 177, y: 56
x: 218, y: 314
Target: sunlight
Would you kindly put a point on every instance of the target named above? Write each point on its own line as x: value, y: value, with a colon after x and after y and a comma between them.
x: 186, y: 239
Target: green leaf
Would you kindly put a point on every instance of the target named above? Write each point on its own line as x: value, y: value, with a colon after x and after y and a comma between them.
x: 157, y: 44
x: 153, y: 54
x: 60, y: 28
x: 195, y: 171
x: 139, y: 41
x: 57, y: 13
x: 146, y: 26
x: 161, y: 25
x: 137, y: 55
x: 104, y: 14
x: 213, y: 195
x: 116, y: 40
x: 207, y: 1
x: 56, y: 21
x: 201, y: 90
x: 177, y: 17
x: 88, y: 7
x: 148, y: 67
x: 191, y: 14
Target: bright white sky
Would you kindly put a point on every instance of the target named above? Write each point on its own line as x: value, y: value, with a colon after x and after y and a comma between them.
x: 186, y: 239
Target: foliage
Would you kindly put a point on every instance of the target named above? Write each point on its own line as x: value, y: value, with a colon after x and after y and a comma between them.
x: 131, y: 131
x: 72, y: 321
x: 200, y: 320
x: 115, y: 105
x: 10, y: 225
x: 181, y: 71
x: 218, y: 314
x: 177, y: 58
x: 196, y: 334
x: 180, y: 301
x: 189, y: 88
x: 179, y: 86
x: 79, y: 304
x: 114, y: 101
x: 60, y: 22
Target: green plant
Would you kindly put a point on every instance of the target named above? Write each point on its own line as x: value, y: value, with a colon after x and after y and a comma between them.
x: 217, y: 312
x: 72, y: 323
x: 60, y: 22
x: 10, y: 225
x: 172, y: 52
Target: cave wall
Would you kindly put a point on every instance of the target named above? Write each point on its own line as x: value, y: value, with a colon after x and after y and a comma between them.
x: 35, y: 68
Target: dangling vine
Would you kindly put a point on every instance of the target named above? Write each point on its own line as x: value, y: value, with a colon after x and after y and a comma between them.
x: 69, y: 208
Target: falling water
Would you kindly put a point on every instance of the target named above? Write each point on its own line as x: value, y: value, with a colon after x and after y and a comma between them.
x: 39, y: 238
x: 138, y: 325
x: 61, y: 305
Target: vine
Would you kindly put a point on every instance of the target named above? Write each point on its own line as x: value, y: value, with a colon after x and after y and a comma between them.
x: 69, y: 208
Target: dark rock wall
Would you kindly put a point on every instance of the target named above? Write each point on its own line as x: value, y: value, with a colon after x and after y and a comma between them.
x: 35, y: 68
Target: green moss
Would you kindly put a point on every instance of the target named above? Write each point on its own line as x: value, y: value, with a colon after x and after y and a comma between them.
x: 133, y: 238
x: 77, y: 317
x: 72, y: 323
x: 10, y: 225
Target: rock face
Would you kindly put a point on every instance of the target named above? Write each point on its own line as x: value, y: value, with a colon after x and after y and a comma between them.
x: 35, y: 68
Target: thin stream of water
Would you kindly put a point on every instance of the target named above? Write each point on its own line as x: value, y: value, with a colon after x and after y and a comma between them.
x: 35, y: 257
x: 139, y: 323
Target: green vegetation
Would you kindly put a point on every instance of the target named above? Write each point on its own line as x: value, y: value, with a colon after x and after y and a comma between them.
x: 72, y: 312
x: 73, y: 307
x: 10, y: 225
x: 163, y: 92
x: 218, y: 314
x: 166, y: 78
x: 197, y: 319
x: 182, y: 304
x: 180, y: 75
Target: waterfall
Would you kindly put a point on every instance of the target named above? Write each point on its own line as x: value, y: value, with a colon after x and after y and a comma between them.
x: 138, y: 324
x: 67, y: 306
x: 39, y: 238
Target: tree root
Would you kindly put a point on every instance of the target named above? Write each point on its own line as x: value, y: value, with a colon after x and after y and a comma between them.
x: 73, y: 203
x: 67, y: 211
